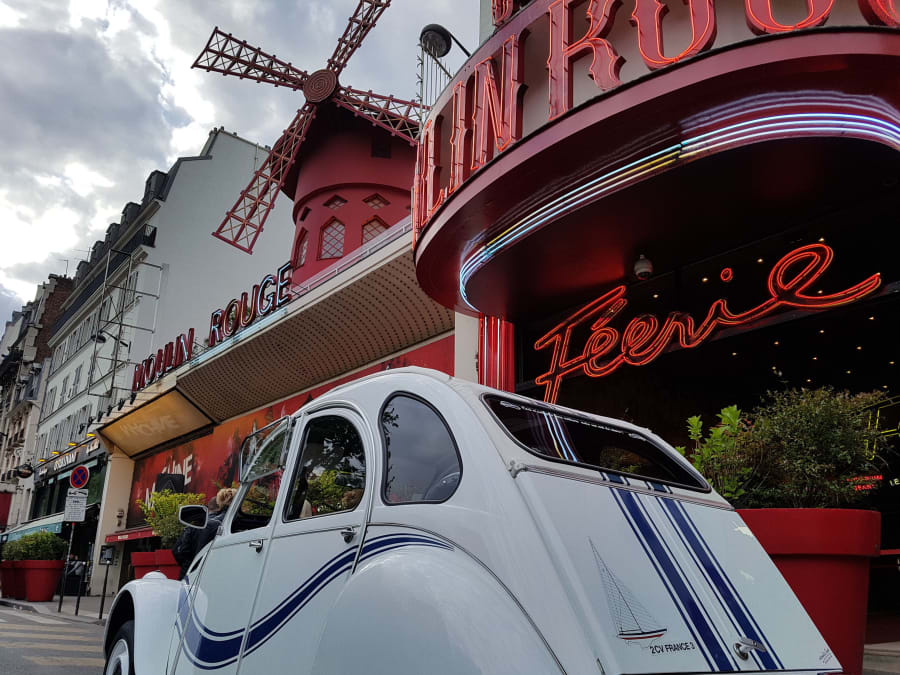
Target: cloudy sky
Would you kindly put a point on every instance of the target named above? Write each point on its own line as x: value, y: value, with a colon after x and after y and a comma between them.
x: 95, y: 94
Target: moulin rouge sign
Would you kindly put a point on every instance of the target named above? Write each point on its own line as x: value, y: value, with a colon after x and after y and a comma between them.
x: 645, y: 337
x: 482, y: 115
x: 269, y: 294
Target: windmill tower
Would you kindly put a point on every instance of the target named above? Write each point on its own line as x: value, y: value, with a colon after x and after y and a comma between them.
x: 352, y: 180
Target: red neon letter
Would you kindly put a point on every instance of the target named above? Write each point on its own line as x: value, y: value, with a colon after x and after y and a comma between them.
x: 458, y: 146
x: 881, y: 12
x: 497, y: 120
x: 606, y: 61
x: 501, y: 10
x: 247, y: 308
x: 138, y: 382
x: 427, y: 195
x: 215, y: 327
x: 648, y: 16
x: 761, y: 20
x: 184, y: 345
x: 230, y: 319
x: 282, y: 286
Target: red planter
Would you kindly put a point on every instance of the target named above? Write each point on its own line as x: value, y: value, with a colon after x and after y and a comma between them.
x: 7, y: 578
x: 41, y: 578
x: 17, y: 580
x: 155, y: 561
x: 824, y: 556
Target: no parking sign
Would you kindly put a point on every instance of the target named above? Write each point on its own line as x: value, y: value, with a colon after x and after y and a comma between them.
x: 79, y: 477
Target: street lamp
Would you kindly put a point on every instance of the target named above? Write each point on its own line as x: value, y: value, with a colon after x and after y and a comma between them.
x: 101, y: 335
x: 437, y: 40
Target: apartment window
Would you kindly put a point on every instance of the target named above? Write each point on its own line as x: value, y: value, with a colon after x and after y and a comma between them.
x: 64, y: 394
x: 332, y: 240
x: 131, y: 288
x: 76, y: 380
x: 51, y: 401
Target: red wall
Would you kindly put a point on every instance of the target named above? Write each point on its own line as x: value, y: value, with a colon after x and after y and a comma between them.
x: 210, y: 462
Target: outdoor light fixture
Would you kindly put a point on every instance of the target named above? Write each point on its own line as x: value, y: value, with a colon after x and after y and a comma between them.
x: 643, y: 267
x: 90, y: 434
x: 41, y: 460
x: 121, y: 403
x: 54, y: 452
x: 101, y: 335
x: 133, y: 397
x: 437, y: 40
x: 71, y: 444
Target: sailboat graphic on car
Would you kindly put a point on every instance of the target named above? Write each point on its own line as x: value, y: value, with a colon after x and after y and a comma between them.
x: 632, y: 620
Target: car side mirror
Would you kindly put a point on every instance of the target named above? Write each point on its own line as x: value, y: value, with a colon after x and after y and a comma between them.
x: 193, y: 515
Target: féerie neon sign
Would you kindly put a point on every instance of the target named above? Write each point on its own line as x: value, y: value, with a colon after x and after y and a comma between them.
x: 644, y: 338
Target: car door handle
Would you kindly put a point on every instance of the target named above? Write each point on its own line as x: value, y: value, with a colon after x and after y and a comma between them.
x: 257, y: 544
x: 348, y: 533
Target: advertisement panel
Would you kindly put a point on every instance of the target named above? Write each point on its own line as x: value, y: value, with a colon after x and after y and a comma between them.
x: 211, y: 462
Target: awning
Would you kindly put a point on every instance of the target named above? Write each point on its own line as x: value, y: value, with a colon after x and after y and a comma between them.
x: 49, y: 524
x: 142, y: 532
x: 163, y: 419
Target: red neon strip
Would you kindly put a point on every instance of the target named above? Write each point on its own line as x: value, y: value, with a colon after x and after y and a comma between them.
x: 643, y: 339
x: 761, y: 20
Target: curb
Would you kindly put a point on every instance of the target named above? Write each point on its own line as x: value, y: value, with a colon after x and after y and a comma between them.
x: 25, y: 607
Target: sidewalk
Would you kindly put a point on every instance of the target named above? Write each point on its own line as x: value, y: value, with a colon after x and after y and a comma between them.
x: 88, y: 610
x: 882, y: 658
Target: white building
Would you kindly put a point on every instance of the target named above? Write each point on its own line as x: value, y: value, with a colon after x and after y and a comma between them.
x: 156, y: 275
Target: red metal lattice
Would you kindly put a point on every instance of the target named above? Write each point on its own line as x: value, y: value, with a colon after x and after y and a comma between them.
x: 372, y: 229
x: 230, y: 56
x: 332, y: 240
x: 358, y: 26
x: 399, y: 117
x: 244, y: 222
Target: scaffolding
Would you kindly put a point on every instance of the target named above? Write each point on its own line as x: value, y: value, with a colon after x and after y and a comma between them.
x: 119, y: 295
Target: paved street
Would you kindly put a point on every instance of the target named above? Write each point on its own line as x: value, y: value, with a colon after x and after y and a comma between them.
x: 33, y: 644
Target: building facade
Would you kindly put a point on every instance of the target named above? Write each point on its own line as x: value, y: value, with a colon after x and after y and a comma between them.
x: 142, y: 287
x: 25, y: 360
x: 660, y: 210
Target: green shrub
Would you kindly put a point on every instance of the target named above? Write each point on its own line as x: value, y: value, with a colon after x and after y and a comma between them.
x: 161, y: 513
x: 802, y: 448
x: 40, y: 546
x: 12, y: 550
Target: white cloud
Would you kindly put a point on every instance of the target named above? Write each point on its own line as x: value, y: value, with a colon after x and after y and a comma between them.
x: 28, y: 236
x: 79, y: 10
x: 9, y: 18
x: 84, y: 180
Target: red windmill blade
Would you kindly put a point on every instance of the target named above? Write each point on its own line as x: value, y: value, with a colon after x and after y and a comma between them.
x: 227, y: 55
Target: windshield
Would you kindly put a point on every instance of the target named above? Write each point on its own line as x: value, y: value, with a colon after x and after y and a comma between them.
x: 561, y: 437
x: 264, y: 451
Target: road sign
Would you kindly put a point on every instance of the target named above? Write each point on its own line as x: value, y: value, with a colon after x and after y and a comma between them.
x: 79, y: 477
x: 76, y: 503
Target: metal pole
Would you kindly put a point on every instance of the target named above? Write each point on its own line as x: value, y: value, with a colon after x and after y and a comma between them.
x: 65, y: 576
x: 103, y: 596
x: 78, y: 597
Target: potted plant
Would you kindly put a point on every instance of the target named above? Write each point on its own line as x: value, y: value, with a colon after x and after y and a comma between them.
x: 161, y: 512
x: 10, y: 576
x: 794, y: 469
x: 40, y: 564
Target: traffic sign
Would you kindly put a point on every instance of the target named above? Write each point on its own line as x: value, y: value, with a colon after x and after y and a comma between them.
x: 76, y: 504
x: 79, y: 477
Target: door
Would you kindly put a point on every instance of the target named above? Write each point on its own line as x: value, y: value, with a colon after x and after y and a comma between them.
x: 214, y: 609
x: 314, y: 545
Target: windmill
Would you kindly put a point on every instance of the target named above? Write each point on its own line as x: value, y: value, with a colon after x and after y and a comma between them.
x: 225, y: 54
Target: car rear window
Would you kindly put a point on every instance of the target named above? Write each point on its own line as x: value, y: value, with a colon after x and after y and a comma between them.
x: 562, y: 437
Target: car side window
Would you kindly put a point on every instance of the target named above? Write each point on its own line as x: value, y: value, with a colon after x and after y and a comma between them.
x: 421, y: 458
x: 331, y: 473
x: 258, y: 503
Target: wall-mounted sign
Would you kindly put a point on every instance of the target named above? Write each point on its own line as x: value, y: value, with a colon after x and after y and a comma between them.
x: 486, y: 109
x: 645, y: 337
x: 265, y: 297
x: 167, y: 358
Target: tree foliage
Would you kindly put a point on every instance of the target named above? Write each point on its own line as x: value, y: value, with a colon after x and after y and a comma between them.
x: 36, y: 546
x: 801, y: 448
x: 161, y: 513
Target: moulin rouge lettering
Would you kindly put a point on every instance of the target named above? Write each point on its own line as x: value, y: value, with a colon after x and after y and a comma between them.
x: 168, y: 358
x: 268, y: 295
x: 644, y: 338
x: 485, y: 110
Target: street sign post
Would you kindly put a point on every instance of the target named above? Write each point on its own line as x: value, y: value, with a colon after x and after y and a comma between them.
x: 79, y: 477
x: 76, y: 504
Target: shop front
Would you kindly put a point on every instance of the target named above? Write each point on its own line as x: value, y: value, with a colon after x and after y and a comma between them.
x: 184, y: 428
x: 662, y: 217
